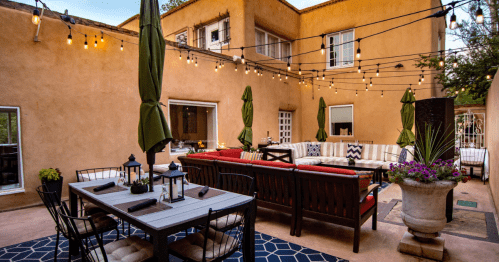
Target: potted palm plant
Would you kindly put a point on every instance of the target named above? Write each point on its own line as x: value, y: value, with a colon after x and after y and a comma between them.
x: 425, y: 184
x: 52, y: 180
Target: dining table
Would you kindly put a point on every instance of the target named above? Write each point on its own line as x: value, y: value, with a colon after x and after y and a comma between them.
x: 172, y: 218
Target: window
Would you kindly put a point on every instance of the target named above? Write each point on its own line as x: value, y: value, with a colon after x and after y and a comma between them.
x: 341, y: 49
x: 214, y: 36
x: 274, y: 46
x: 11, y: 172
x: 193, y: 126
x: 285, y: 126
x: 181, y: 38
x: 341, y: 120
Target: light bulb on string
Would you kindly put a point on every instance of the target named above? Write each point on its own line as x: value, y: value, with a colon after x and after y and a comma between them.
x: 360, y: 68
x: 488, y: 77
x: 289, y: 65
x: 102, y: 37
x: 261, y: 73
x: 317, y: 74
x: 273, y: 76
x: 462, y: 89
x: 286, y: 76
x: 356, y: 93
x: 364, y: 77
x: 323, y: 74
x: 457, y: 92
x: 299, y: 70
x: 279, y: 74
x: 381, y: 93
x: 332, y: 81
x: 192, y: 59
x: 330, y: 86
x: 180, y: 57
x: 371, y: 82
x: 453, y: 20
x: 441, y: 59
x: 223, y: 64
x: 358, y: 49
x: 242, y: 55
x: 479, y: 15
x: 336, y: 91
x: 36, y: 14
x: 220, y: 65
x: 247, y: 70
x: 367, y: 89
x: 318, y: 88
x: 236, y: 68
x: 188, y: 57
x: 410, y: 88
x: 454, y: 64
x: 323, y: 47
x: 216, y: 67
x: 419, y: 81
x: 95, y: 44
x: 121, y: 45
x: 86, y: 43
x: 255, y: 69
x: 377, y: 70
x: 280, y: 78
x: 414, y: 93
x: 422, y: 75
x: 70, y: 37
x: 197, y: 63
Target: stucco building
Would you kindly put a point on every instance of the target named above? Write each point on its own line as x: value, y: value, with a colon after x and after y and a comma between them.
x: 78, y: 108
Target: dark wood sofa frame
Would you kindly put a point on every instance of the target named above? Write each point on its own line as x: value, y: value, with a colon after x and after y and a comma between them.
x: 283, y: 189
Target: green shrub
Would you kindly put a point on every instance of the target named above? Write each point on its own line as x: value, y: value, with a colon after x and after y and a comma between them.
x: 50, y: 174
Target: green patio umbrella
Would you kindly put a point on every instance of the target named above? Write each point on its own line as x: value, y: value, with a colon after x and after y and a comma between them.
x: 154, y: 133
x: 246, y: 136
x: 406, y: 136
x: 321, y: 118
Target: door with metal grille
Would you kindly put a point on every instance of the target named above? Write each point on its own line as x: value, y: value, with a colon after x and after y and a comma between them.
x: 285, y: 126
x: 470, y: 130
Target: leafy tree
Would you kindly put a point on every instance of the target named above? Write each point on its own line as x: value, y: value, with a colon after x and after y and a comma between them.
x: 476, y: 62
x: 172, y: 4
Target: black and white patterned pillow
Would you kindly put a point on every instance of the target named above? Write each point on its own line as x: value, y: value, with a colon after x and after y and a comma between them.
x: 313, y: 150
x: 354, y: 151
x: 403, y: 156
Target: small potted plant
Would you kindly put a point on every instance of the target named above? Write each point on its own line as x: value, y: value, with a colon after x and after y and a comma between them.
x: 139, y: 186
x: 52, y: 180
x: 351, y: 161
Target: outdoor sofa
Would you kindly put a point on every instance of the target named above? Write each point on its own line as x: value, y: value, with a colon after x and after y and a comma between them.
x: 332, y: 195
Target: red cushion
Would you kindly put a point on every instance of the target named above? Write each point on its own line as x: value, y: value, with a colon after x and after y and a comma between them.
x: 234, y: 153
x: 368, y: 203
x: 272, y: 164
x: 202, y: 156
x: 327, y: 169
x: 214, y: 153
x: 232, y: 159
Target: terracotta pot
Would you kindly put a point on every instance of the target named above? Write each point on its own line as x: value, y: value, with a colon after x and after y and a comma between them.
x: 423, y: 206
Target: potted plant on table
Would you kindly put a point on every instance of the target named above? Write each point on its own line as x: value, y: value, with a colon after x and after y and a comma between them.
x: 351, y: 161
x: 51, y: 180
x: 425, y: 184
x: 139, y: 186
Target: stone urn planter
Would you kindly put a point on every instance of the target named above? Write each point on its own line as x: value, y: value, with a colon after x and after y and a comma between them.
x: 423, y: 207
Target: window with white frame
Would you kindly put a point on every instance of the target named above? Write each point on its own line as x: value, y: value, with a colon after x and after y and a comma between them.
x: 193, y: 126
x: 181, y: 38
x: 214, y: 36
x: 11, y: 172
x: 285, y: 127
x: 341, y: 49
x: 341, y: 120
x: 271, y: 45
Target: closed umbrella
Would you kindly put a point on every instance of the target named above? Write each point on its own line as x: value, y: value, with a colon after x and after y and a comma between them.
x: 406, y: 136
x: 246, y: 136
x: 321, y: 119
x: 154, y: 133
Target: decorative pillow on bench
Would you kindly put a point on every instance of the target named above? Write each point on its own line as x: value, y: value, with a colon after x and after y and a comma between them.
x: 313, y: 150
x: 354, y: 151
x: 251, y: 156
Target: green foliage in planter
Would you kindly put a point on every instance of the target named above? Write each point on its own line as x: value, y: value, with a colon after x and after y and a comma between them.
x: 50, y: 174
x: 190, y: 152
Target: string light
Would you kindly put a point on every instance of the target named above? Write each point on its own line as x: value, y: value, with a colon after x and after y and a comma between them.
x: 188, y: 57
x: 422, y: 75
x: 247, y: 70
x: 410, y: 89
x: 261, y: 73
x: 223, y: 63
x: 242, y: 55
x: 279, y: 74
x: 180, y: 57
x: 319, y: 88
x: 358, y: 49
x: 371, y: 83
x: 377, y: 70
x: 441, y: 60
x: 332, y: 81
x: 192, y: 59
x: 336, y: 92
x: 323, y: 47
x: 280, y: 78
x: 70, y: 37
x: 367, y: 89
x: 489, y: 77
x: 419, y: 80
x: 317, y: 74
x: 364, y: 77
x: 216, y: 67
x: 462, y: 89
x: 220, y: 65
x: 457, y: 92
x: 36, y: 14
x: 236, y: 68
x: 299, y: 70
x: 381, y: 93
x: 197, y: 63
x: 330, y: 86
x: 95, y: 44
x: 359, y: 69
x: 356, y: 93
x: 102, y: 37
x: 414, y: 93
x: 122, y: 48
x: 453, y: 20
x: 286, y: 76
x: 289, y: 65
x: 479, y: 15
x: 323, y: 74
x: 86, y: 43
x: 273, y: 75
x: 454, y: 64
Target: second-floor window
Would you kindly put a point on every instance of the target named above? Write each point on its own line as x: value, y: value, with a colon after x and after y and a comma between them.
x: 340, y: 49
x: 214, y: 36
x: 271, y: 45
x: 181, y: 38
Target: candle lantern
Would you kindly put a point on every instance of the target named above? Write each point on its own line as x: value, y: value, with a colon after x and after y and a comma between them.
x: 176, y: 179
x: 132, y: 168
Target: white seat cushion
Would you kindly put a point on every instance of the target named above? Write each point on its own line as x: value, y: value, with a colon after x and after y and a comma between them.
x: 327, y: 149
x: 132, y: 249
x: 308, y: 161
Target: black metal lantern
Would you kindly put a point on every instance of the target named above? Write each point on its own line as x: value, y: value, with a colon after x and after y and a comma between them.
x: 174, y: 175
x: 132, y: 166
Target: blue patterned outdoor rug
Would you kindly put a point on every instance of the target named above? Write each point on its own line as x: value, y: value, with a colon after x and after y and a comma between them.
x: 268, y: 249
x: 382, y: 187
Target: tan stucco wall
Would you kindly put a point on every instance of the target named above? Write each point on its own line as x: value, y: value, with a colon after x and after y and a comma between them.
x: 132, y: 25
x: 492, y: 139
x: 375, y: 118
x: 80, y: 108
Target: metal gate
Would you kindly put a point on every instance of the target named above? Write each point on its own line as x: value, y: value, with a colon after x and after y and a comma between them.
x: 470, y: 130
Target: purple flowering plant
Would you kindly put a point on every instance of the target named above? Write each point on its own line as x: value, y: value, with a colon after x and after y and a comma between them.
x: 430, y: 167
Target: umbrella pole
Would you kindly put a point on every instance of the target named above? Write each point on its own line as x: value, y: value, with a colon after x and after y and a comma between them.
x: 151, y: 159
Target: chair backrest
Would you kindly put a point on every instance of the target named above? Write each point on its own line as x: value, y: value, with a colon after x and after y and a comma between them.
x: 192, y: 172
x: 228, y: 242
x: 92, y: 248
x: 97, y: 173
x: 281, y: 154
x: 236, y: 183
x: 51, y: 202
x: 208, y: 174
x: 472, y: 156
x: 275, y: 185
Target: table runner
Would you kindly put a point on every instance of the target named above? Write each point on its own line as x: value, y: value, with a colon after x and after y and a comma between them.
x: 148, y: 210
x: 113, y: 189
x: 193, y: 192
